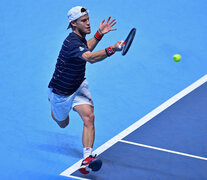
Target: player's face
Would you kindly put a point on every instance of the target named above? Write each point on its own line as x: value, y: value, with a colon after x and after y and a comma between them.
x: 83, y: 25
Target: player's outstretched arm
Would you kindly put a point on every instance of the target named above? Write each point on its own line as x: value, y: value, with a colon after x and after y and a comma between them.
x: 103, y: 29
x: 97, y: 56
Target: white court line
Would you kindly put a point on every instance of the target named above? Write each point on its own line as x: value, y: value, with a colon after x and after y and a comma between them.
x: 75, y: 177
x: 139, y: 123
x: 165, y: 150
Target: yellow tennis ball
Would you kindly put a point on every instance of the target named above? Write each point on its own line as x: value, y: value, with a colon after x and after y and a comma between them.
x: 177, y: 57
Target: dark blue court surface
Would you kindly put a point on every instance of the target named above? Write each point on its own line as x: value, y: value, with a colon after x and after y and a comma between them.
x: 171, y: 145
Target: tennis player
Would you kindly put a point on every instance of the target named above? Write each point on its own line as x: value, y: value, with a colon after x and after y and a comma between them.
x: 68, y: 88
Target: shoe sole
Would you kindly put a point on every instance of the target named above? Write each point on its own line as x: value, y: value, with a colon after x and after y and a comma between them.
x: 95, y: 165
x: 84, y: 170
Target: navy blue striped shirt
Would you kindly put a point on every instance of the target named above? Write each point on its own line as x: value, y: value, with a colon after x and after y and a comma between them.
x: 70, y: 67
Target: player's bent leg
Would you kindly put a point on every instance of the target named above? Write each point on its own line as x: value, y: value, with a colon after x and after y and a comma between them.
x: 63, y: 123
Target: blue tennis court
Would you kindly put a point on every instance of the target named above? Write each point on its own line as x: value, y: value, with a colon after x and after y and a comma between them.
x: 150, y: 115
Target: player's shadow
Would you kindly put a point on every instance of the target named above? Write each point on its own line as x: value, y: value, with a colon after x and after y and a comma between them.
x: 60, y: 143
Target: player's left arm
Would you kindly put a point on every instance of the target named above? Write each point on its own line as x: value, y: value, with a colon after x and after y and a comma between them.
x: 103, y: 29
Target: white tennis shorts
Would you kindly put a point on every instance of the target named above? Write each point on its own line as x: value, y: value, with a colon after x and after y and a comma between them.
x: 61, y: 105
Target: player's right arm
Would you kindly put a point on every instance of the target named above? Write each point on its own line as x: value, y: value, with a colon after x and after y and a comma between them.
x: 97, y: 56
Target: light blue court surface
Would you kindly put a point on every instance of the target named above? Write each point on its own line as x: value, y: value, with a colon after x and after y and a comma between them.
x: 124, y: 90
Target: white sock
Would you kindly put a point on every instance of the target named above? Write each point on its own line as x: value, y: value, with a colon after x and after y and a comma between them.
x: 87, y: 152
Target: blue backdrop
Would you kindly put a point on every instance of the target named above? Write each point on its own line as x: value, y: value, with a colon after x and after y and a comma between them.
x: 124, y: 88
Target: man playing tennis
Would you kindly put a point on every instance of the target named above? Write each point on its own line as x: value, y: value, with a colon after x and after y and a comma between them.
x: 68, y: 87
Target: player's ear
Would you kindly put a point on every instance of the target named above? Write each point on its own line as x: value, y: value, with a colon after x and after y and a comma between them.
x: 73, y: 23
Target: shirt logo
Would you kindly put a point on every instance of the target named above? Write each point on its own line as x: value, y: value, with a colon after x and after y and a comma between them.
x: 81, y: 48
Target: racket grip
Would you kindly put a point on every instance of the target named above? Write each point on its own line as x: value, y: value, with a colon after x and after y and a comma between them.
x: 121, y: 45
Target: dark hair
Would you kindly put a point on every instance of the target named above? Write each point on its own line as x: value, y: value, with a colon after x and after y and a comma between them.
x: 83, y: 10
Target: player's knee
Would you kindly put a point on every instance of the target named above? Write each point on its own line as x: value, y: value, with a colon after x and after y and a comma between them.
x: 89, y: 120
x: 63, y: 123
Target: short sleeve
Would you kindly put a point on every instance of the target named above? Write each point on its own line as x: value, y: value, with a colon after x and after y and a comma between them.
x: 76, y: 49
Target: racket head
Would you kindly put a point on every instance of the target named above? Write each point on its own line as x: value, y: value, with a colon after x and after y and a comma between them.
x: 127, y: 43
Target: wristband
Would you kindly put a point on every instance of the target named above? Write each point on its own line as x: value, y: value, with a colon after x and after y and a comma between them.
x: 109, y: 51
x: 98, y: 36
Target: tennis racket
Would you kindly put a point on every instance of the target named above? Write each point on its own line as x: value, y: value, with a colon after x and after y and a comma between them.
x: 127, y: 43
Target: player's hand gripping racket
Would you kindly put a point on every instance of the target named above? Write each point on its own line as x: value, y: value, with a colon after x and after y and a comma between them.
x: 127, y: 43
